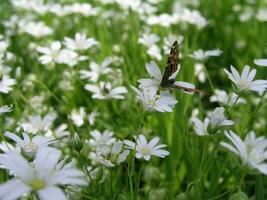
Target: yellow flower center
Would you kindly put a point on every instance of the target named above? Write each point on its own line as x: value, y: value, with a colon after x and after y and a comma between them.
x: 243, y: 84
x: 145, y: 150
x: 37, y: 184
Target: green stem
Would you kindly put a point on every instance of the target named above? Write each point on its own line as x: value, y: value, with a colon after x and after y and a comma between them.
x: 111, y: 186
x: 232, y: 106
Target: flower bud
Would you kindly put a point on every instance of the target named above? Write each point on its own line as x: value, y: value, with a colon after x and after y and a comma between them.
x: 78, y: 145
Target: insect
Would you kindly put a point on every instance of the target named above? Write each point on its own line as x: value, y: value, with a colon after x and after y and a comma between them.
x: 170, y: 70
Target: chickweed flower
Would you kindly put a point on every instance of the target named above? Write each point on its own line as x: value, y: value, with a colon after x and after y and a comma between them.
x: 201, y: 55
x: 221, y: 96
x: 6, y: 84
x: 150, y: 100
x: 80, y: 42
x: 6, y: 109
x: 105, y: 91
x: 50, y: 54
x: 145, y: 149
x: 211, y: 124
x: 29, y: 146
x: 112, y: 154
x: 42, y: 176
x: 98, y: 138
x: 244, y: 82
x: 252, y: 151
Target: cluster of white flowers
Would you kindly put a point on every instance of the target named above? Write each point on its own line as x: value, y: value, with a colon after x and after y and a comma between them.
x: 36, y: 167
x: 55, y: 54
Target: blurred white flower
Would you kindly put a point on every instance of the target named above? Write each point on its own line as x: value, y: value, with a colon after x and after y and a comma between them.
x: 252, y: 150
x: 189, y: 16
x: 201, y: 55
x: 261, y: 62
x: 77, y: 116
x: 82, y: 8
x: 29, y: 145
x: 98, y: 138
x: 35, y: 29
x: 150, y: 100
x: 148, y: 40
x: 112, y: 154
x: 145, y: 149
x: 105, y: 91
x: 69, y: 57
x: 37, y: 123
x: 80, y: 42
x: 43, y: 175
x: 200, y: 72
x: 262, y: 14
x: 212, y: 123
x: 244, y: 82
x: 59, y: 132
x: 6, y: 84
x: 6, y: 109
x: 154, y: 51
x: 92, y: 116
x: 164, y: 19
x: 51, y: 53
x: 221, y: 96
x: 96, y: 70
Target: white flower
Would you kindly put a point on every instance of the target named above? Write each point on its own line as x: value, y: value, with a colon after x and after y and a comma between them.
x: 29, y: 145
x: 244, y: 82
x: 82, y: 8
x: 201, y: 55
x: 96, y: 70
x: 6, y: 109
x: 92, y: 116
x: 212, y: 123
x: 152, y: 101
x: 218, y: 119
x: 43, y: 175
x: 77, y: 116
x: 261, y: 62
x: 37, y: 123
x: 80, y: 42
x: 6, y: 84
x: 252, y: 150
x: 69, y: 57
x: 164, y: 19
x: 36, y: 29
x: 154, y: 51
x: 50, y: 53
x: 222, y: 97
x: 60, y: 132
x: 146, y: 149
x: 200, y: 72
x: 105, y: 91
x: 112, y: 154
x: 201, y: 128
x: 98, y: 138
x: 148, y: 39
